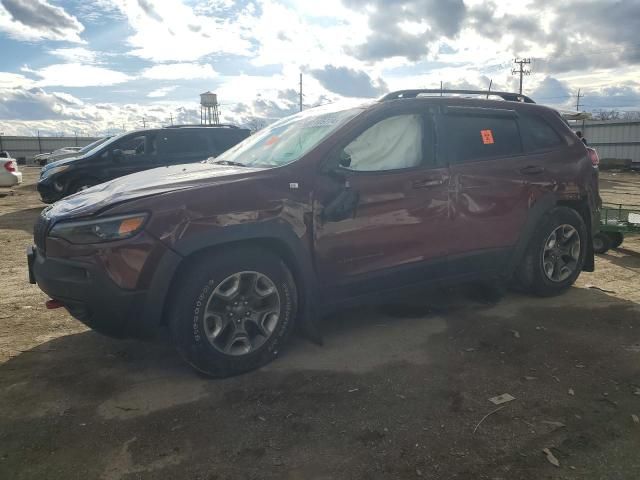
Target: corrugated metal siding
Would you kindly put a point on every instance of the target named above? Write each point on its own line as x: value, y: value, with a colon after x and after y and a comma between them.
x: 613, y: 139
x: 27, y: 147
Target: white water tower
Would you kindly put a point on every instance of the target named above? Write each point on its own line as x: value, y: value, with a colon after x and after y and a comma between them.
x: 209, y: 114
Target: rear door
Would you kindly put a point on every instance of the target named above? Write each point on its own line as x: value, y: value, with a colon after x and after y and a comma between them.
x: 489, y: 190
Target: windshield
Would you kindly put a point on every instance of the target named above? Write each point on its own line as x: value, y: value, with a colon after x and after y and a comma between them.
x: 290, y: 138
x: 103, y: 143
x: 92, y: 145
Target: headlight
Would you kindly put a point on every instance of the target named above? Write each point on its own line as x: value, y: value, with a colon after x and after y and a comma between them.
x: 99, y: 230
x: 51, y: 171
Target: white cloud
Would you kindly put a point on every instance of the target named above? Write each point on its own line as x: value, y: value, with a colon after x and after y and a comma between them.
x: 161, y: 92
x: 171, y: 31
x: 77, y: 75
x: 11, y: 80
x: 36, y: 20
x: 75, y: 54
x: 179, y: 71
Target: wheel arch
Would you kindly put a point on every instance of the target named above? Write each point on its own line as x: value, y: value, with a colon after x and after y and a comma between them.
x: 536, y: 213
x: 286, y: 246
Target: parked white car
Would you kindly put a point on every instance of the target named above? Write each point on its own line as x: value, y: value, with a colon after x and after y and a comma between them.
x: 9, y: 174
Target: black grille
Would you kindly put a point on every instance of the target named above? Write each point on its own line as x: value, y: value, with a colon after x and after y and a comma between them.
x: 40, y: 230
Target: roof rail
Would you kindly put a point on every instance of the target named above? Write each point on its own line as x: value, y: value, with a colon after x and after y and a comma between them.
x: 508, y: 96
x: 219, y: 125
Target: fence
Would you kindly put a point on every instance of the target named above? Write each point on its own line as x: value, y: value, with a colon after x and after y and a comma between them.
x: 24, y: 148
x: 613, y: 139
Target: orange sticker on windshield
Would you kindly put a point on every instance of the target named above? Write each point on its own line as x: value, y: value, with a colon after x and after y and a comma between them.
x: 272, y: 140
x: 487, y: 137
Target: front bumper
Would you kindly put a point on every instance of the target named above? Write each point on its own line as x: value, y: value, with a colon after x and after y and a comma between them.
x: 91, y: 296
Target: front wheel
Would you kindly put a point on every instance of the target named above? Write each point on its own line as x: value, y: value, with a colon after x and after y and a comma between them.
x: 233, y: 311
x: 556, y: 253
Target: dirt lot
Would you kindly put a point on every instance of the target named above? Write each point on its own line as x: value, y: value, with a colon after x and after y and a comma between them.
x: 394, y: 393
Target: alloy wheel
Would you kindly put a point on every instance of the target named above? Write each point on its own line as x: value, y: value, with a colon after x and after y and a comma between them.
x: 242, y: 313
x: 561, y: 253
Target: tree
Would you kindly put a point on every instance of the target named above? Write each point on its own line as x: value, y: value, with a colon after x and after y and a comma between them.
x: 606, y: 115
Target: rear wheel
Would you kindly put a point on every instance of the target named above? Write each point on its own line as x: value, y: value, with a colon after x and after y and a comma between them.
x: 556, y: 253
x: 601, y: 243
x: 233, y: 311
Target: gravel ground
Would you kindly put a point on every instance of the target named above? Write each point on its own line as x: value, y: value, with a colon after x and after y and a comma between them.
x: 396, y: 392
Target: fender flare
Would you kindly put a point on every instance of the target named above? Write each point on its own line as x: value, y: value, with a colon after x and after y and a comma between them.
x: 297, y: 257
x: 542, y: 206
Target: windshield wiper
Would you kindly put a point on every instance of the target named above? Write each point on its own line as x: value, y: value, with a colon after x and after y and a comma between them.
x: 229, y: 162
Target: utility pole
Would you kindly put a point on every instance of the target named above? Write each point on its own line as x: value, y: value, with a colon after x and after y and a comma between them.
x: 144, y: 122
x: 578, y: 101
x: 490, y: 84
x: 171, y: 116
x: 440, y: 87
x: 521, y: 71
x: 301, y: 92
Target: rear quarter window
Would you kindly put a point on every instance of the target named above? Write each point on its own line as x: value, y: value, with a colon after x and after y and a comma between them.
x: 224, y: 139
x: 476, y: 137
x: 537, y: 134
x: 185, y: 142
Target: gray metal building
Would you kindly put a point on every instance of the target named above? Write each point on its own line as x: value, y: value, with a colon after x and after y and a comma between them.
x: 26, y: 147
x: 613, y: 139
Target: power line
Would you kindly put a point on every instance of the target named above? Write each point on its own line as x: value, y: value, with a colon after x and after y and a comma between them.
x: 522, y: 62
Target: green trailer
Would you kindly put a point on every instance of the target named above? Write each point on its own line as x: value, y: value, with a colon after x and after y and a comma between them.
x: 616, y: 221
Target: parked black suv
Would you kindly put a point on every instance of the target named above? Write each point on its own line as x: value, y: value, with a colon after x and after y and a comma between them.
x: 135, y: 151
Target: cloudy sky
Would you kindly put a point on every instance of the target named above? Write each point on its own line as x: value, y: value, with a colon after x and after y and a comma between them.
x: 97, y: 66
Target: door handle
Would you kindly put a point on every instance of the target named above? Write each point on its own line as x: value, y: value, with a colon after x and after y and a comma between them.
x: 428, y: 182
x: 532, y: 170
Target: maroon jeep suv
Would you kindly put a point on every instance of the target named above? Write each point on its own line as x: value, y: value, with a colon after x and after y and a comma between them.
x: 338, y: 204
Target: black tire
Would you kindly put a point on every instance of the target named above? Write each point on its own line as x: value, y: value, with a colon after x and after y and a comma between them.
x: 531, y: 274
x: 615, y: 239
x: 82, y: 184
x: 196, y: 285
x: 601, y: 243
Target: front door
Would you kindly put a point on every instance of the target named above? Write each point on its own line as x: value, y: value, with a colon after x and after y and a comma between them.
x: 133, y: 153
x: 381, y: 217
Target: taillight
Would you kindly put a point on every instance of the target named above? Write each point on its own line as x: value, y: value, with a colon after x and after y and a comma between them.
x: 593, y: 155
x: 10, y: 166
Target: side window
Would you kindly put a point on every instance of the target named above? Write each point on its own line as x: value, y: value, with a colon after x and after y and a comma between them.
x: 537, y: 134
x: 474, y: 138
x: 391, y: 144
x: 184, y: 142
x: 137, y: 147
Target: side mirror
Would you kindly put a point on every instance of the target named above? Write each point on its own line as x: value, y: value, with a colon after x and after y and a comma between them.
x: 345, y: 159
x: 116, y: 155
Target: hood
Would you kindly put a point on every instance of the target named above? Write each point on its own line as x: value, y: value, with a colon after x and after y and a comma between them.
x: 59, y: 162
x: 147, y: 183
